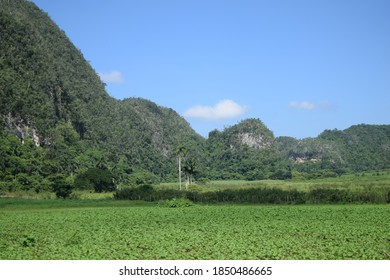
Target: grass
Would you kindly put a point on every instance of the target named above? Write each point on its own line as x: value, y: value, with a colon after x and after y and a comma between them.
x: 355, y: 181
x: 77, y: 194
x: 21, y: 204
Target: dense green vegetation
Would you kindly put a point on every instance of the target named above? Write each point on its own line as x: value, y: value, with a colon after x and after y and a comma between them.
x: 245, y: 151
x: 58, y: 229
x: 61, y: 132
x: 362, y: 147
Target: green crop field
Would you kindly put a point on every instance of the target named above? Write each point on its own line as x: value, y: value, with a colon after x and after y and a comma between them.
x: 108, y: 229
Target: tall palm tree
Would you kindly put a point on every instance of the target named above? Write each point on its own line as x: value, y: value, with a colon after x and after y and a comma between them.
x: 189, y: 169
x: 180, y: 153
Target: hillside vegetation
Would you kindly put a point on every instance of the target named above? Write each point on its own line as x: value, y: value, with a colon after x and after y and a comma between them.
x: 59, y: 129
x: 64, y: 120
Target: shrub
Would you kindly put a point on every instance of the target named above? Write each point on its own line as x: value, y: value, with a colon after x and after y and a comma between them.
x: 3, y: 187
x: 61, y: 185
x: 142, y: 192
x: 100, y: 180
x: 142, y: 178
x: 321, y: 195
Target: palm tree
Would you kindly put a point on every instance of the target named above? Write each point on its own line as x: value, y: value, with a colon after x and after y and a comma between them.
x: 180, y: 153
x: 189, y: 169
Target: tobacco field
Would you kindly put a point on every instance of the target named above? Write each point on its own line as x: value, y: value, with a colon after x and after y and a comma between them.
x: 127, y: 230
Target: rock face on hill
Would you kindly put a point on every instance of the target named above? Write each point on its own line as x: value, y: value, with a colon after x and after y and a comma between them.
x: 250, y: 132
x: 244, y: 151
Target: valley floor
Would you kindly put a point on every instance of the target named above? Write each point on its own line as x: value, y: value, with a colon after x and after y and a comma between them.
x: 108, y: 229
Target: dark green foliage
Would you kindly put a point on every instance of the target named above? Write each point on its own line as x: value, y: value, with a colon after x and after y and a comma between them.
x: 243, y: 151
x: 29, y: 241
x: 328, y: 195
x: 190, y: 169
x: 348, y: 196
x: 44, y: 77
x: 176, y: 203
x: 61, y: 186
x: 335, y: 152
x: 365, y: 147
x: 142, y: 178
x: 142, y: 192
x: 281, y: 174
x: 50, y: 92
x: 259, y: 195
x: 100, y: 180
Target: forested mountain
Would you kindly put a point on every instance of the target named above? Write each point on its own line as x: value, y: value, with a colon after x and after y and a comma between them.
x: 56, y: 104
x: 358, y: 148
x: 362, y: 147
x: 244, y: 151
x: 58, y: 124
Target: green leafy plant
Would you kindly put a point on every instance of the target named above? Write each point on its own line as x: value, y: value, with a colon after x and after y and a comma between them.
x: 69, y: 229
x: 29, y: 241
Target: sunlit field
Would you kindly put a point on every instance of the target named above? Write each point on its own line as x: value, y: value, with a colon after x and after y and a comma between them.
x: 107, y: 229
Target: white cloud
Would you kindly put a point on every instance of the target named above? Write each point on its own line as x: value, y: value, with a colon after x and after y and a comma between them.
x: 304, y: 105
x: 114, y: 77
x: 224, y: 109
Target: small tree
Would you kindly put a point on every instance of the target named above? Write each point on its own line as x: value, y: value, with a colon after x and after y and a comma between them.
x: 101, y: 180
x: 62, y: 186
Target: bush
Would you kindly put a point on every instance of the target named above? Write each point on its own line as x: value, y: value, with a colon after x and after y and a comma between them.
x: 366, y: 195
x: 142, y: 192
x: 142, y: 178
x: 281, y: 175
x: 62, y: 186
x: 100, y: 180
x: 321, y: 195
x: 4, y: 188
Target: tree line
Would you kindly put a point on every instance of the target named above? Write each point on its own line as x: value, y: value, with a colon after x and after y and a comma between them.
x: 258, y: 195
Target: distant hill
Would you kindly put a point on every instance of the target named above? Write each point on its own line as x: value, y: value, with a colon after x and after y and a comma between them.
x: 362, y: 147
x: 67, y: 125
x: 355, y: 149
x: 243, y: 151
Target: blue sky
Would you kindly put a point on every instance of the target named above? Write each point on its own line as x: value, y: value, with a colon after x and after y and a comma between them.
x: 299, y: 66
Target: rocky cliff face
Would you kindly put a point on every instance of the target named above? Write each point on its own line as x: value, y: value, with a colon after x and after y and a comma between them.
x: 257, y: 141
x: 252, y: 133
x: 306, y: 150
x: 22, y: 129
